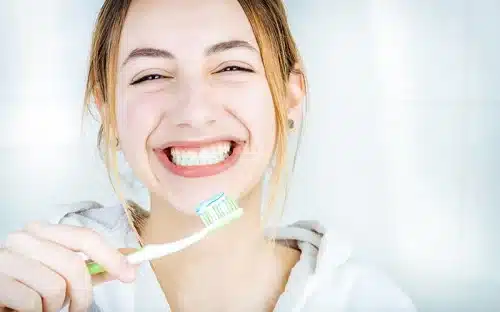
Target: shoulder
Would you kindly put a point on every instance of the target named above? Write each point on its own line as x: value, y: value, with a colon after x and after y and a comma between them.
x: 91, y: 214
x: 372, y: 290
x: 337, y: 280
x: 345, y: 282
x: 360, y: 288
x: 109, y: 221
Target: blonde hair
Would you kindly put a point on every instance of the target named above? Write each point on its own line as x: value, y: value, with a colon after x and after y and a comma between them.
x: 279, y: 55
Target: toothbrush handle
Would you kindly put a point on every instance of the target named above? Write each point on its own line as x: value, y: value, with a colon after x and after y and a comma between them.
x: 151, y: 252
x: 95, y: 268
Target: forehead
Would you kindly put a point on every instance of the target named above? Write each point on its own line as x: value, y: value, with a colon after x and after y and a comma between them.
x: 183, y: 26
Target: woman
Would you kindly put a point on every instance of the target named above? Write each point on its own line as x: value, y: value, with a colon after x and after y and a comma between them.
x: 200, y: 97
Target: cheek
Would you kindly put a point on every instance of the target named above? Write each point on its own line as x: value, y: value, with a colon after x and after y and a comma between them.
x: 137, y: 117
x: 253, y: 105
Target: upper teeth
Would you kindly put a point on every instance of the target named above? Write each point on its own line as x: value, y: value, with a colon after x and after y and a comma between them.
x: 208, y: 155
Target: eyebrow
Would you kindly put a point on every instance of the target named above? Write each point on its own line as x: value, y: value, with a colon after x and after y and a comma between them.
x: 228, y: 45
x: 214, y: 49
x: 148, y: 52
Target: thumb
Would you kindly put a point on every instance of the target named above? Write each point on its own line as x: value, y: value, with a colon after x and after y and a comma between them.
x: 106, y: 277
x: 127, y: 251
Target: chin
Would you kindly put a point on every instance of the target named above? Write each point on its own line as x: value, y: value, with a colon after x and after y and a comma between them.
x: 186, y: 200
x: 188, y: 174
x: 184, y: 187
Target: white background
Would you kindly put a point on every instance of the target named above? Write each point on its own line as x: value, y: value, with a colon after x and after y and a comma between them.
x: 400, y: 152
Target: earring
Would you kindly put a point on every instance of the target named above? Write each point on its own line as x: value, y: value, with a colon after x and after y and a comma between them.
x: 116, y: 142
x: 291, y: 124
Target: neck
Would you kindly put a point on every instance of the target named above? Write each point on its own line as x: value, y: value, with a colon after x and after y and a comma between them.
x: 209, y: 269
x: 166, y: 224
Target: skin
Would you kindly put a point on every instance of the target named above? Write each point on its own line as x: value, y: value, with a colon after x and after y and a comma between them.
x: 196, y: 101
x: 39, y: 269
x: 194, y: 96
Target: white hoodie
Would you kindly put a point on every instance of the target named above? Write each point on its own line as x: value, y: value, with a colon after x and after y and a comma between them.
x: 324, y: 279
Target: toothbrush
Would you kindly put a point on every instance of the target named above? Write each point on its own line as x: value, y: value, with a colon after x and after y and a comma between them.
x: 215, y: 213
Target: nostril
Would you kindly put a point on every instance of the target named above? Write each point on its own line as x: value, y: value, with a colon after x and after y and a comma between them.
x: 196, y: 122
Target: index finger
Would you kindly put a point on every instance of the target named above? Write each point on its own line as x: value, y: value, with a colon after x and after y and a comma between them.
x: 90, y: 243
x: 106, y: 276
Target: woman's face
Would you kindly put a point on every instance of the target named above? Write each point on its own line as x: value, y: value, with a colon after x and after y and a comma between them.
x: 195, y: 114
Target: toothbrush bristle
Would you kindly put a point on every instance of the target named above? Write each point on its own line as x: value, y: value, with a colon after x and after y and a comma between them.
x: 219, y: 210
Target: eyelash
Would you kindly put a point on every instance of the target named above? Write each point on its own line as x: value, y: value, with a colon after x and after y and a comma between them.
x: 236, y: 68
x: 148, y: 78
x: 225, y: 69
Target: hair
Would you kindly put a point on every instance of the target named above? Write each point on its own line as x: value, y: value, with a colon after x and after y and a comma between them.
x: 279, y: 55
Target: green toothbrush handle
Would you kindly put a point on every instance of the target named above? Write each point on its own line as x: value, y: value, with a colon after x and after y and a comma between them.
x: 95, y: 268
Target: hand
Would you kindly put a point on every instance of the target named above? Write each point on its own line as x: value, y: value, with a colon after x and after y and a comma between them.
x: 41, y: 271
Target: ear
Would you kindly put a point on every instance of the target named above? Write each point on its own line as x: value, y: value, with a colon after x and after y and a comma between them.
x: 99, y: 103
x: 296, y: 95
x: 98, y: 100
x: 100, y: 108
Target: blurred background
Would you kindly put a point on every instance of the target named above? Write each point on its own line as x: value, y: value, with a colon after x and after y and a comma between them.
x: 400, y: 149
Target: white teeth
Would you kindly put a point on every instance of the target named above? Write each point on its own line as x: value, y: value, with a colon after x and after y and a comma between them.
x: 208, y: 155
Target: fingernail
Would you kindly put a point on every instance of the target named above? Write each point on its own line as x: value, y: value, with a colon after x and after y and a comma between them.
x: 128, y: 271
x: 125, y: 265
x: 128, y: 275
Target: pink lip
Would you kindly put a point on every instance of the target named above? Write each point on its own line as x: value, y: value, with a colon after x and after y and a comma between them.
x: 202, y: 170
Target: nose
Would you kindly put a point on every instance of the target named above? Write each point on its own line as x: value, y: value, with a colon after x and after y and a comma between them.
x: 195, y: 108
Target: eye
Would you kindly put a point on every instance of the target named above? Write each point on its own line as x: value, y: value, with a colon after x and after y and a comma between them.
x: 234, y: 68
x: 149, y: 78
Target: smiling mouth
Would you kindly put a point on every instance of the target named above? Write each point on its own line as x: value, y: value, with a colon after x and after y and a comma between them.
x: 200, y: 156
x: 195, y: 160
